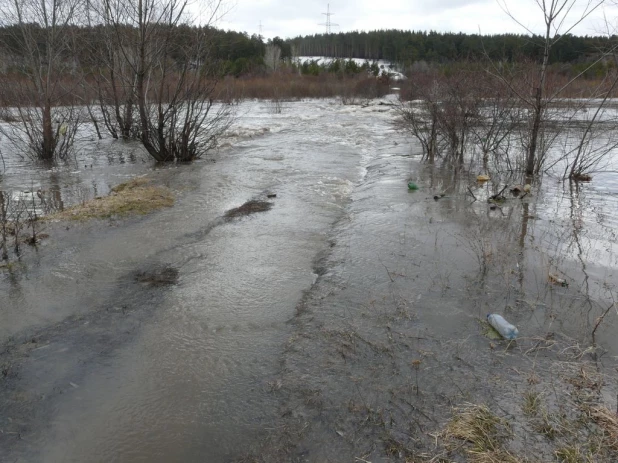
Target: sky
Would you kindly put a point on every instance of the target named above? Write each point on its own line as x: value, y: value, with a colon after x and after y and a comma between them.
x: 290, y: 18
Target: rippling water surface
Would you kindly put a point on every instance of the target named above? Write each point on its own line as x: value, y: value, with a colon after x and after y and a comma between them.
x: 123, y: 371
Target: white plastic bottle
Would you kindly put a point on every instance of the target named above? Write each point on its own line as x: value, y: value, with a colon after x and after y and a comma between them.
x: 506, y: 330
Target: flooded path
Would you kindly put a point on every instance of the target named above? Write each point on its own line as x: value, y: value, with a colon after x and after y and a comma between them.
x: 289, y: 334
x: 123, y: 370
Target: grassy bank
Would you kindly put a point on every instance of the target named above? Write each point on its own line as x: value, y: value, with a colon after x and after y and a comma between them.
x: 136, y: 196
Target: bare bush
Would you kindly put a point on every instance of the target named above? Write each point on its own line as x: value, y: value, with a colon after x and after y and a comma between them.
x: 173, y: 85
x: 41, y: 127
x: 4, y: 224
x: 559, y: 17
x: 420, y: 117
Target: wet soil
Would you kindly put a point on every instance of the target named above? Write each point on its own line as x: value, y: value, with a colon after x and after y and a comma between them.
x: 390, y: 342
x: 250, y: 207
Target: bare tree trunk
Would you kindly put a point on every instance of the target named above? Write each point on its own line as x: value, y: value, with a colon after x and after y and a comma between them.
x: 433, y: 137
x: 127, y: 121
x: 540, y: 93
x: 556, y: 14
x: 534, y: 133
x: 3, y: 224
x: 49, y: 140
x: 43, y: 31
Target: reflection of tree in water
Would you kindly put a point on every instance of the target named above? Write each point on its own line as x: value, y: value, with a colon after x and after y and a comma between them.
x: 596, y: 303
x: 56, y: 197
x: 51, y: 198
x: 577, y: 222
x: 516, y: 253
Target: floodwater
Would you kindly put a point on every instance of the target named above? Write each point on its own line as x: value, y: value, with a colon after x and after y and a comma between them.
x: 289, y: 332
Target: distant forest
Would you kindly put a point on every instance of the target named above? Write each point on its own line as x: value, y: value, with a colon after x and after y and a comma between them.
x: 234, y: 53
x: 407, y: 47
x: 238, y: 54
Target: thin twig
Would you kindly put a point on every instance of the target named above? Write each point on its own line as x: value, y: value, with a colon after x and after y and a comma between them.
x: 600, y: 320
x: 387, y: 271
x: 496, y: 196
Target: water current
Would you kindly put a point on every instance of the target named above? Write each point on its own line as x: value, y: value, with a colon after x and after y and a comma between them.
x: 106, y: 368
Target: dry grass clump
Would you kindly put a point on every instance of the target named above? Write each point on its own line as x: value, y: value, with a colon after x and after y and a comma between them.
x: 531, y: 403
x: 571, y: 454
x: 136, y: 196
x: 608, y: 422
x: 483, y: 432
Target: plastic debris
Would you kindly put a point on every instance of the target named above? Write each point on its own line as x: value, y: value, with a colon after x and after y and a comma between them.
x: 482, y: 178
x: 506, y: 330
x: 412, y: 186
x: 556, y: 280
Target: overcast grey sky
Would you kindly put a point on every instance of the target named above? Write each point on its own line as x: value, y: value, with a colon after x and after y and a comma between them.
x: 289, y: 18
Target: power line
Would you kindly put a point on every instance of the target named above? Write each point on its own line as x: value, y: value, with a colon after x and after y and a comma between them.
x: 328, y: 23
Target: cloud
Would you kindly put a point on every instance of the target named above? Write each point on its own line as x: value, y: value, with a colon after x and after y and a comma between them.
x: 290, y: 19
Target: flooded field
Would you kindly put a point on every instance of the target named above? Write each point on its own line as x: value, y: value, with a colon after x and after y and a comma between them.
x: 299, y: 303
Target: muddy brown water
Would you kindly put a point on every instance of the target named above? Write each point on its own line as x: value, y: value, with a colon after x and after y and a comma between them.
x: 288, y: 334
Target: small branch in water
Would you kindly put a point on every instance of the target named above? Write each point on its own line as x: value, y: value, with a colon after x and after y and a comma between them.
x: 387, y: 271
x: 470, y: 191
x: 600, y: 320
x: 389, y: 274
x: 499, y: 194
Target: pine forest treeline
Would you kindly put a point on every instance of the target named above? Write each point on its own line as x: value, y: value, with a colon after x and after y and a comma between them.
x: 238, y: 53
x: 407, y: 47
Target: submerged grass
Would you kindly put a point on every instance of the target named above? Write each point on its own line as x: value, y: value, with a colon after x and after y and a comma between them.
x: 489, y: 331
x: 572, y: 454
x: 531, y: 403
x: 136, y: 196
x: 608, y: 422
x: 483, y: 432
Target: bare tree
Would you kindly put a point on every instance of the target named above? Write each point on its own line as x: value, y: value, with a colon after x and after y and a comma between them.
x: 442, y: 114
x: 4, y: 223
x: 112, y: 78
x: 420, y: 117
x: 595, y: 142
x: 496, y: 123
x: 172, y: 81
x: 560, y: 17
x: 272, y: 57
x: 44, y: 127
x: 598, y: 138
x: 459, y: 110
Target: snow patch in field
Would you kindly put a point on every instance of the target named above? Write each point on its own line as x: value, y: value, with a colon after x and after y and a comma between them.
x: 385, y: 66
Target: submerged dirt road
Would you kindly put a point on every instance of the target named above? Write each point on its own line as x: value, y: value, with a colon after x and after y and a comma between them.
x: 344, y: 323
